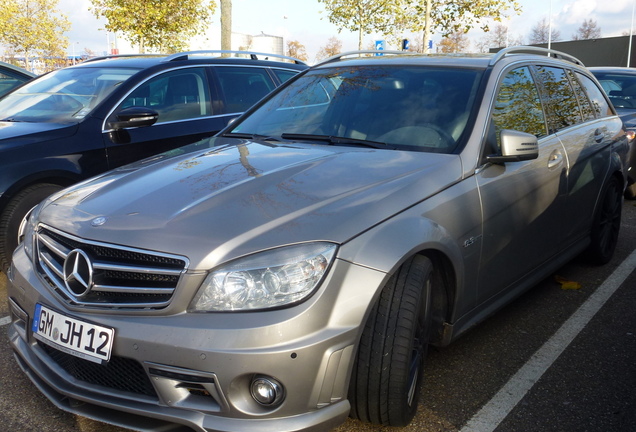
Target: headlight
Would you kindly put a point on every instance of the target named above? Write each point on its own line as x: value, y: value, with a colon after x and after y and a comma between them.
x: 268, y: 279
x: 29, y: 231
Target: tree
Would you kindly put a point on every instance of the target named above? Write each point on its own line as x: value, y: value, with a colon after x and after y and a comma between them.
x: 164, y: 25
x: 363, y: 16
x: 451, y: 16
x: 333, y: 47
x: 226, y: 24
x: 498, y: 37
x: 34, y: 28
x: 588, y: 30
x: 454, y: 43
x: 540, y: 32
x: 297, y: 50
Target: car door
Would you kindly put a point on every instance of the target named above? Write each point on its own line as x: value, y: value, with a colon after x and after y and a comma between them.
x: 587, y: 145
x: 522, y: 202
x: 183, y: 100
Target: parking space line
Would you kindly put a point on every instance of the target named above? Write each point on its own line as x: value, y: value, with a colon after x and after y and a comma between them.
x: 4, y: 321
x: 496, y: 410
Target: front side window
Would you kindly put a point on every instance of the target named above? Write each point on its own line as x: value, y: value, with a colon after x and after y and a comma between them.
x: 63, y: 96
x: 518, y: 106
x: 176, y: 95
x: 562, y: 104
x: 403, y: 107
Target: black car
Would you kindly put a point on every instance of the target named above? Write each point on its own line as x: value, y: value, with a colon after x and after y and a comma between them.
x: 620, y: 85
x: 80, y: 121
x: 12, y: 76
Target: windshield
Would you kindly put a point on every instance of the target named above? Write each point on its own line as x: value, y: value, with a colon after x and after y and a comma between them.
x: 63, y: 96
x: 406, y: 107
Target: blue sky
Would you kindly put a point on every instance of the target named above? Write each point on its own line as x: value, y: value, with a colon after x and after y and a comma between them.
x: 306, y: 21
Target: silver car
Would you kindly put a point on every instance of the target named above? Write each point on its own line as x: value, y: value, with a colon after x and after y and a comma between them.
x: 293, y: 270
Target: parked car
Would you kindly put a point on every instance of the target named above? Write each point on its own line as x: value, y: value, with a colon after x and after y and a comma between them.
x: 80, y: 121
x: 12, y: 76
x: 620, y: 84
x: 294, y: 269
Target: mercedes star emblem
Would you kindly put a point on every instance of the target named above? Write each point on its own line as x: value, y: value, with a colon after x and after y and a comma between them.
x: 78, y: 273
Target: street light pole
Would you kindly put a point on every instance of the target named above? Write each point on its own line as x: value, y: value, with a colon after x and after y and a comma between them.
x: 631, y: 36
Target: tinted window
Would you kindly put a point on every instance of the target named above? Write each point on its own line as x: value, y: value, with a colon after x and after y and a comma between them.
x: 598, y: 101
x: 621, y: 88
x: 562, y: 105
x: 518, y: 106
x: 411, y: 108
x: 243, y: 87
x: 66, y: 95
x: 587, y: 110
x: 284, y: 75
x: 9, y: 81
x: 177, y: 95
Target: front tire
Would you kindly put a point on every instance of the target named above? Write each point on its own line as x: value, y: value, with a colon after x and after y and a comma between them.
x: 387, y: 376
x: 14, y: 216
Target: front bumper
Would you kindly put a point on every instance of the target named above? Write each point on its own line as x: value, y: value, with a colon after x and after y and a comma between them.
x: 195, y: 370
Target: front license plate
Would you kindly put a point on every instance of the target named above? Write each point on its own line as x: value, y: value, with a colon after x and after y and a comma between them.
x: 76, y: 337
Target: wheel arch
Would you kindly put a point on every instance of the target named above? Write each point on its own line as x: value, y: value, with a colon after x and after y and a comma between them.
x: 443, y: 293
x: 61, y: 178
x: 399, y: 244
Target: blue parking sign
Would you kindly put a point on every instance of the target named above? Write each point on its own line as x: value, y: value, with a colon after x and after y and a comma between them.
x: 379, y: 45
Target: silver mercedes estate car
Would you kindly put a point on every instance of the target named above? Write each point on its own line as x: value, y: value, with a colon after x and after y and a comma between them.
x: 293, y: 270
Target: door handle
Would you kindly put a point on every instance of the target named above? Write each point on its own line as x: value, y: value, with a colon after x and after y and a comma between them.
x: 555, y: 159
x: 598, y: 135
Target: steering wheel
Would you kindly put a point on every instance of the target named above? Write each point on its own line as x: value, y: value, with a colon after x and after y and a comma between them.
x: 424, y: 135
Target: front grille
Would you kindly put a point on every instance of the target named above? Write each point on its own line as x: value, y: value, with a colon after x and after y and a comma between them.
x: 110, y: 276
x: 119, y: 373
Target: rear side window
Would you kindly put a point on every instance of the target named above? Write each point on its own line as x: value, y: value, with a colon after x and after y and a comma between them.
x: 562, y: 104
x: 242, y: 87
x: 597, y: 99
x: 588, y: 111
x: 283, y: 75
x: 518, y: 106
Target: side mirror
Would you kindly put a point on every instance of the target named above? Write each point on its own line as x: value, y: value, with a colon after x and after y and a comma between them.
x: 134, y: 117
x: 515, y: 147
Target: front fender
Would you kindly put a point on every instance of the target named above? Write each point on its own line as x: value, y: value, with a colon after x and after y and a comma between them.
x: 448, y: 223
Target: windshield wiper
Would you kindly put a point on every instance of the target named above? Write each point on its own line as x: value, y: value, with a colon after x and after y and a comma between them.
x: 335, y: 140
x: 250, y: 136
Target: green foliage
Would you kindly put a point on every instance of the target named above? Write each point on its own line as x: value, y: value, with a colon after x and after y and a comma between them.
x: 161, y: 25
x: 364, y: 16
x: 452, y: 16
x: 34, y: 28
x: 393, y: 16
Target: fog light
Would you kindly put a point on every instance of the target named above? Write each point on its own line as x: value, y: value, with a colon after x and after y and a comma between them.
x: 267, y: 391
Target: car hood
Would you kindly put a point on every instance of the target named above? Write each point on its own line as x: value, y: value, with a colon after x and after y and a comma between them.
x: 215, y: 205
x: 20, y: 133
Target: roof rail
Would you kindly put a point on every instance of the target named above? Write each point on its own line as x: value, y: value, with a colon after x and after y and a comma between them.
x: 114, y: 56
x: 534, y: 50
x: 253, y: 55
x: 361, y: 52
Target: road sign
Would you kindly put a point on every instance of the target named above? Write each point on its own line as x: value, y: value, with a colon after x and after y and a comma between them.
x: 380, y: 45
